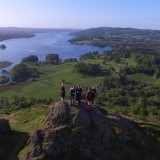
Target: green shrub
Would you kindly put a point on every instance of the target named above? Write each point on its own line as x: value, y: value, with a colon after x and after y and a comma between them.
x: 88, y: 68
x: 52, y: 59
x: 4, y: 79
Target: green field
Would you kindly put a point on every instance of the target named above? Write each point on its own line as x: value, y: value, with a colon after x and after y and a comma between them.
x: 49, y: 84
x: 144, y: 78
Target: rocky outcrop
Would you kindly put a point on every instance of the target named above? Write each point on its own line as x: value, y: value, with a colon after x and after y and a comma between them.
x: 4, y: 126
x: 4, y: 130
x: 71, y: 133
x: 1, y: 146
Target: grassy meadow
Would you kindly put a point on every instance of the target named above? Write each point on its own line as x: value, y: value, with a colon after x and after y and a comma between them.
x: 49, y: 84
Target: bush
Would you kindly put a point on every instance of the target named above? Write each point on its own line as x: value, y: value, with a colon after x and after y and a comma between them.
x: 135, y: 110
x: 30, y: 59
x: 157, y: 74
x: 16, y: 102
x: 21, y: 73
x: 90, y: 55
x: 88, y: 68
x: 4, y: 79
x: 52, y: 59
x: 154, y: 100
x: 143, y: 111
x: 120, y: 100
x: 153, y: 110
x: 71, y: 60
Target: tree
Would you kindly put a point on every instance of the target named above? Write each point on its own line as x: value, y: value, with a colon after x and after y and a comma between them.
x: 88, y: 68
x: 3, y: 79
x: 30, y: 59
x: 157, y: 74
x: 21, y: 72
x: 52, y: 59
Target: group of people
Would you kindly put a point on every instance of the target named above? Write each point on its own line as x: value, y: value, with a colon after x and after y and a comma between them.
x: 76, y: 94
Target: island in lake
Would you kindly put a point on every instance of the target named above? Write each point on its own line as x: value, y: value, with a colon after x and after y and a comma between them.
x: 5, y: 64
x: 2, y: 46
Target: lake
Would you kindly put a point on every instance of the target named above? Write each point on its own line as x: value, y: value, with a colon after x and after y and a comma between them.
x: 43, y: 44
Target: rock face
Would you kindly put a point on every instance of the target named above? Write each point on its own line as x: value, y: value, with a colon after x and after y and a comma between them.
x: 4, y: 129
x: 4, y: 126
x: 72, y: 133
x: 1, y: 146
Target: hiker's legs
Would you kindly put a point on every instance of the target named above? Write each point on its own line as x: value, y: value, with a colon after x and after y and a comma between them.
x: 79, y: 100
x: 62, y: 98
x: 72, y: 100
x: 92, y: 99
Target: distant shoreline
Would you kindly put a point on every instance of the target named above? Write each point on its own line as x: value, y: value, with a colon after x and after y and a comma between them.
x: 17, y: 37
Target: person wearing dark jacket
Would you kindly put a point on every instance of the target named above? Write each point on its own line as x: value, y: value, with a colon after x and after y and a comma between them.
x: 62, y: 92
x: 93, y: 94
x: 72, y: 95
x: 78, y: 94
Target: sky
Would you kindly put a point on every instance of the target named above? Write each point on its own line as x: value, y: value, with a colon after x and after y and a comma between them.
x: 80, y: 14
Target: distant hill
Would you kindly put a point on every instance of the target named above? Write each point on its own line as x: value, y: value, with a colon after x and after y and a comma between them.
x: 11, y: 32
x: 15, y: 32
x: 138, y: 39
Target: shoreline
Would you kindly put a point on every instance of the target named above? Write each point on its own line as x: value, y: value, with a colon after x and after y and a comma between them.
x: 27, y: 36
x: 5, y: 64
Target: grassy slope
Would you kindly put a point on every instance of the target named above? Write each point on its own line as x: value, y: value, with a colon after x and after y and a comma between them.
x: 23, y: 122
x: 145, y: 78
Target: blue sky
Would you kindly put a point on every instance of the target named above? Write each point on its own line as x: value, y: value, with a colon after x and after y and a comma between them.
x: 80, y: 13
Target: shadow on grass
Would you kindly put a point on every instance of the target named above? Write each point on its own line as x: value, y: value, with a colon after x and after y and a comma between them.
x: 13, y: 143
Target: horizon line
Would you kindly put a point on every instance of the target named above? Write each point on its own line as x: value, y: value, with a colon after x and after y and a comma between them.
x: 60, y: 28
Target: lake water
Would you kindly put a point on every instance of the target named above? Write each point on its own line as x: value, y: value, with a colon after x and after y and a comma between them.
x: 43, y: 44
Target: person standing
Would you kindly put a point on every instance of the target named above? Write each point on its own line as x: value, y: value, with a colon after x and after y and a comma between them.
x: 62, y: 92
x: 93, y: 94
x: 72, y: 95
x: 78, y: 95
x: 88, y: 95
